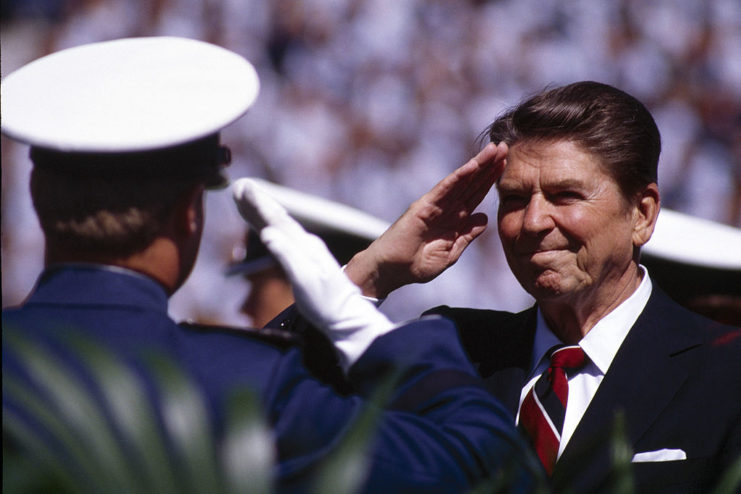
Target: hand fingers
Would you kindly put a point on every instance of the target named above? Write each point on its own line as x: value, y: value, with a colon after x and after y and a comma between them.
x: 473, y: 226
x: 469, y: 184
x: 287, y: 252
x: 485, y: 168
x: 481, y: 184
x: 490, y: 153
x: 258, y: 208
x: 245, y: 195
x: 297, y: 251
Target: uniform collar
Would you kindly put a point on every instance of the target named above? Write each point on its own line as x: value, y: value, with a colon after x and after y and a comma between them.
x: 96, y: 284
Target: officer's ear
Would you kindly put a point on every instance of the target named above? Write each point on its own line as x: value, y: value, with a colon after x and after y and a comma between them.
x: 188, y: 211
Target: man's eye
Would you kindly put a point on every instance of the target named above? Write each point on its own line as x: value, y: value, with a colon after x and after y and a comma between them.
x: 567, y: 197
x: 512, y: 200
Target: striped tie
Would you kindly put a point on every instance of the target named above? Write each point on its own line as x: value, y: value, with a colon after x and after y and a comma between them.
x: 543, y: 411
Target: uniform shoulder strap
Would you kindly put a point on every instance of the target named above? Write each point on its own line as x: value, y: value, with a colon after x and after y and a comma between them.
x: 274, y: 336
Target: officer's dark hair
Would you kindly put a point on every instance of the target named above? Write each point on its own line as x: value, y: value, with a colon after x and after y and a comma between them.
x: 112, y: 216
x: 604, y: 121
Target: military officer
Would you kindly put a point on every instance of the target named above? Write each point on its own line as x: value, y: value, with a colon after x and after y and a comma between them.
x: 124, y: 139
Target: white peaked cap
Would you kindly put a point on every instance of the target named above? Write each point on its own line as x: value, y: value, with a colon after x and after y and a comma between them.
x: 127, y: 95
x: 683, y: 238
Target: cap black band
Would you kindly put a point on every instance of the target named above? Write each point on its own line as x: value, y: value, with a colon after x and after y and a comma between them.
x: 201, y: 159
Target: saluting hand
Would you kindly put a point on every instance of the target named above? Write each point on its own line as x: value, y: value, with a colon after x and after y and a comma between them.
x: 433, y: 233
x: 324, y: 295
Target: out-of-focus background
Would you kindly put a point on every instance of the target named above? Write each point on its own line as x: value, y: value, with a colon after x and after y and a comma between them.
x: 371, y: 102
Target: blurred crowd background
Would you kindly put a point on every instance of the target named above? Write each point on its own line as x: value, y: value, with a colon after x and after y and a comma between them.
x: 371, y: 102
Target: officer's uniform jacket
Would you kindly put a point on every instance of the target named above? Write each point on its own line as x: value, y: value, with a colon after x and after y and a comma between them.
x: 443, y: 428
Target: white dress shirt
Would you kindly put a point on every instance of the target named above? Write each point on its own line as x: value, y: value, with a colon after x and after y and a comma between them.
x: 600, y: 344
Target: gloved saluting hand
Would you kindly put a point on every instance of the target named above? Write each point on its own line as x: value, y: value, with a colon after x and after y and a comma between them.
x: 324, y: 295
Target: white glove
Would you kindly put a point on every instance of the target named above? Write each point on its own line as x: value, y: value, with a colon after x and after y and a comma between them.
x: 324, y: 295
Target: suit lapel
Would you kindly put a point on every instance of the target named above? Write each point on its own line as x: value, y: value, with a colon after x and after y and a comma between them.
x: 499, y: 344
x: 506, y: 379
x: 645, y: 374
x: 506, y: 364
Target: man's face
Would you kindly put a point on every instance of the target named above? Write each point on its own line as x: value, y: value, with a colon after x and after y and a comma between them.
x: 565, y: 227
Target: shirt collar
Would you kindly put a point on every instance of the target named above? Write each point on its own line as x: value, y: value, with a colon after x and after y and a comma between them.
x: 601, y: 343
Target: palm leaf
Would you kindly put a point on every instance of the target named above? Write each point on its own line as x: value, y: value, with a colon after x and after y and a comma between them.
x: 68, y: 410
x: 248, y: 453
x: 133, y: 414
x: 111, y: 441
x: 730, y: 481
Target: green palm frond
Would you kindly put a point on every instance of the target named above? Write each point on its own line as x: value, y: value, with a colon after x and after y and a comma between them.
x: 133, y: 416
x: 111, y: 441
x: 248, y: 454
x: 730, y: 481
x: 66, y: 408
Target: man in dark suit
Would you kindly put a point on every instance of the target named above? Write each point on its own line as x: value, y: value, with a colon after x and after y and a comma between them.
x: 118, y: 184
x: 576, y: 172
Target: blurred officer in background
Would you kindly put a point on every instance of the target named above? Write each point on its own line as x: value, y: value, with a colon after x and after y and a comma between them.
x: 269, y: 289
x: 125, y: 141
x: 697, y: 262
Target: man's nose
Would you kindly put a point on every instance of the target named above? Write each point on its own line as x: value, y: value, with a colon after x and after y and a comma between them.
x: 538, y: 215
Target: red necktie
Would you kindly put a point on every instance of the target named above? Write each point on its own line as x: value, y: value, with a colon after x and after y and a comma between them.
x: 544, y: 408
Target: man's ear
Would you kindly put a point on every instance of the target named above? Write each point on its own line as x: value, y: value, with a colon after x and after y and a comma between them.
x: 645, y: 213
x: 187, y: 213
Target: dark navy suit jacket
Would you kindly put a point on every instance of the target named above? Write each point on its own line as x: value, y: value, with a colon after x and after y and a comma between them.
x: 676, y: 379
x: 443, y: 432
